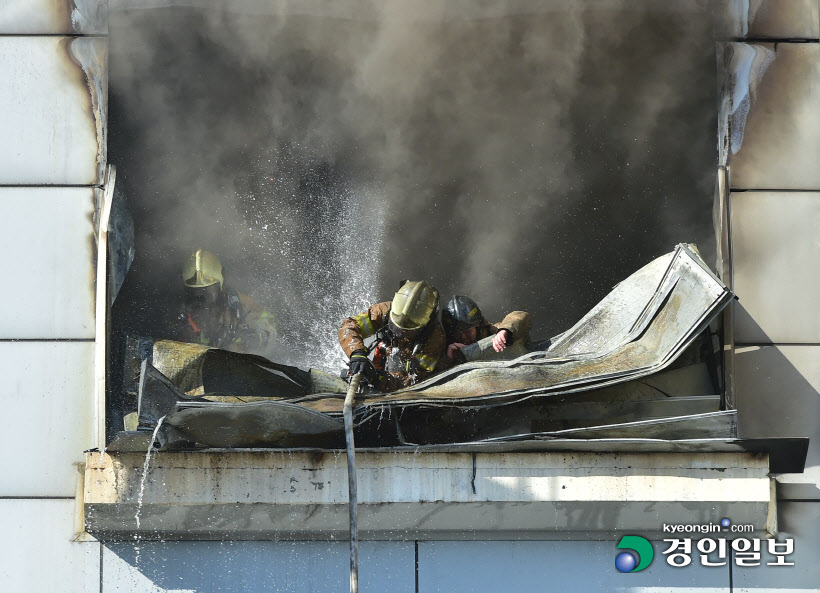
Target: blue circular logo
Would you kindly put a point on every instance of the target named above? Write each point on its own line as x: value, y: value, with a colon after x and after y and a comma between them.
x: 725, y: 522
x: 625, y: 562
x: 642, y: 548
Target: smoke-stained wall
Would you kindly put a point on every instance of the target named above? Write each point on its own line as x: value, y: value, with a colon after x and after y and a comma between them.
x: 529, y: 158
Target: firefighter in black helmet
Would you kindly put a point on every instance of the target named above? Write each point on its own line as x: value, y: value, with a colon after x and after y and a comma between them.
x: 464, y: 325
x: 409, y: 339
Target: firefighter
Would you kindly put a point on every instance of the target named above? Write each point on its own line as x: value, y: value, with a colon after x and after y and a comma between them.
x: 215, y: 316
x: 409, y: 339
x: 464, y: 325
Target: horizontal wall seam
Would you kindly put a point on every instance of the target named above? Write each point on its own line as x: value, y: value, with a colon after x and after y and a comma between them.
x: 51, y: 186
x: 737, y: 190
x: 37, y: 497
x: 47, y: 340
x: 772, y: 39
x: 761, y: 344
x: 23, y: 35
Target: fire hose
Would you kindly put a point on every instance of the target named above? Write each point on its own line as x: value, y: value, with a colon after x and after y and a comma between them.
x: 351, y: 481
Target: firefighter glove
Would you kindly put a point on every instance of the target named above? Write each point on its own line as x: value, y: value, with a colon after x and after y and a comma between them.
x: 359, y: 363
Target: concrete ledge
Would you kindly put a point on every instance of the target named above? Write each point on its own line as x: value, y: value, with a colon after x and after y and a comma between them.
x: 281, y: 495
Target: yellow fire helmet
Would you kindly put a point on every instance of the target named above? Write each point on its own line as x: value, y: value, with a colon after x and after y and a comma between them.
x: 201, y: 269
x: 413, y: 306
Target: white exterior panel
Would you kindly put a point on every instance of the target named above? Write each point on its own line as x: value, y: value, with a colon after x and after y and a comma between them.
x: 37, y: 17
x: 778, y: 145
x: 293, y: 567
x: 778, y: 395
x: 37, y: 553
x: 776, y: 256
x: 53, y: 116
x: 47, y: 389
x: 49, y: 232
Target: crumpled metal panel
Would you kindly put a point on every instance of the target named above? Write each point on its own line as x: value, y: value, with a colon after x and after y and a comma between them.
x: 779, y: 19
x: 769, y: 120
x: 54, y: 98
x: 640, y: 328
x: 196, y: 370
x: 254, y: 424
x: 711, y: 425
x: 121, y: 248
x: 38, y: 17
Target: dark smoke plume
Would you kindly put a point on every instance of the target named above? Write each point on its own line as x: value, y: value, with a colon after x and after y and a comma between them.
x: 531, y: 155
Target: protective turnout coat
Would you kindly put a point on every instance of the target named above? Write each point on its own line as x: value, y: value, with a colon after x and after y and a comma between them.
x: 518, y: 323
x: 242, y: 325
x: 408, y: 361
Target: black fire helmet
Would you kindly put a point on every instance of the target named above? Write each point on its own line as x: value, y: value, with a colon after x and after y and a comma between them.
x: 460, y: 314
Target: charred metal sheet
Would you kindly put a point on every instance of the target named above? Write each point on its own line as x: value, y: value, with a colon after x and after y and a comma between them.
x: 628, y: 409
x: 639, y: 329
x: 254, y: 424
x: 786, y: 454
x: 755, y: 19
x: 187, y: 420
x: 662, y: 395
x: 67, y: 17
x: 553, y: 417
x: 121, y: 249
x: 201, y: 370
x: 54, y: 101
x: 713, y: 425
x: 157, y: 396
x: 775, y: 247
x: 49, y: 231
x: 424, y: 10
x: 769, y: 99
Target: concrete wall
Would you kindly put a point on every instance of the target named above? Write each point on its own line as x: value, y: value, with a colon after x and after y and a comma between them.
x: 52, y: 156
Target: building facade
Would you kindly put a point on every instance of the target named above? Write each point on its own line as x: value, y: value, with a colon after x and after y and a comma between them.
x: 439, y: 521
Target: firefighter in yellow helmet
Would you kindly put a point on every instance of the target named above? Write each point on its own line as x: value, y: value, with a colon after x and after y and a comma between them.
x: 216, y: 316
x: 409, y: 338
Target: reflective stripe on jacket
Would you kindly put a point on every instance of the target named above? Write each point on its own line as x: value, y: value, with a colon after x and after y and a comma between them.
x: 355, y: 329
